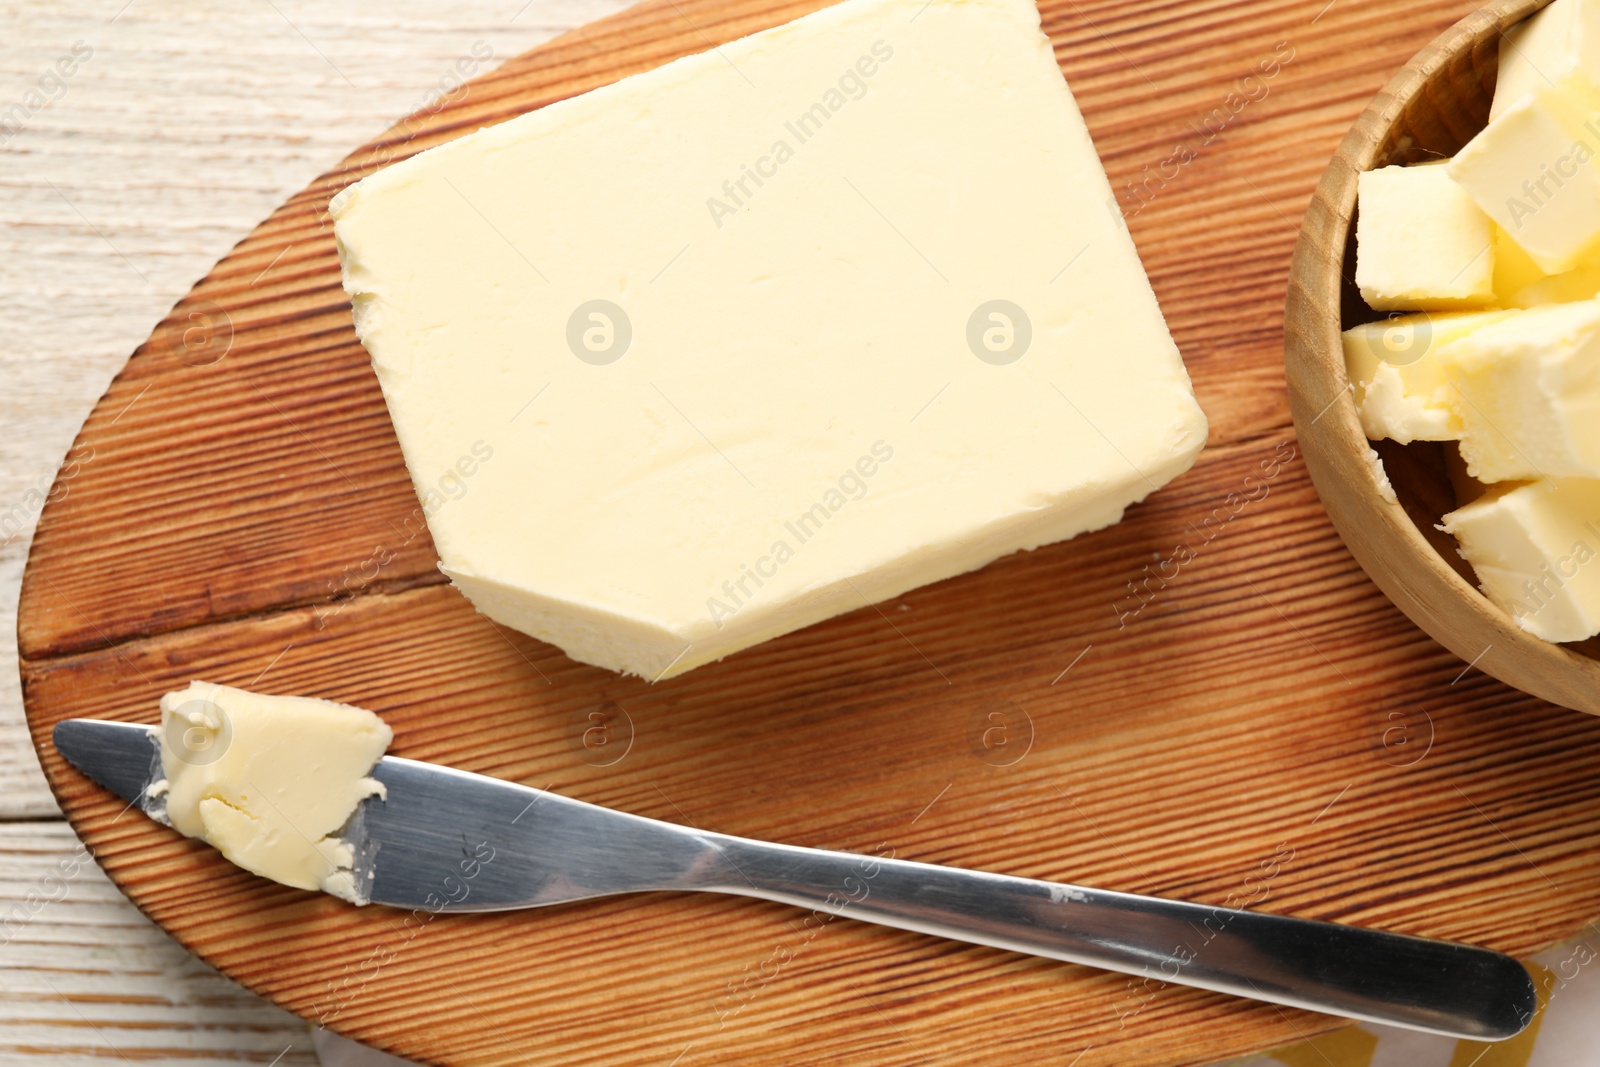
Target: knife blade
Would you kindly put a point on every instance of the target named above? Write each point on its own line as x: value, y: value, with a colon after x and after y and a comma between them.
x: 447, y: 840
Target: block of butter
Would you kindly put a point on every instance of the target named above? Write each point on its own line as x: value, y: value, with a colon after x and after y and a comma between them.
x: 767, y: 334
x: 1421, y: 242
x: 1562, y: 38
x: 1532, y: 170
x: 1402, y: 390
x: 1533, y: 547
x: 1520, y: 283
x: 270, y: 780
x: 1515, y: 272
x: 1527, y: 391
x: 1580, y: 283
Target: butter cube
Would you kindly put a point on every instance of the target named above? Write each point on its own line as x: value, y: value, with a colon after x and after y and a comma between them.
x: 1527, y: 391
x: 1514, y: 270
x: 767, y: 334
x: 1519, y: 283
x: 1421, y: 242
x: 1546, y: 47
x: 1402, y: 390
x: 1580, y: 283
x: 1531, y: 171
x: 1533, y: 547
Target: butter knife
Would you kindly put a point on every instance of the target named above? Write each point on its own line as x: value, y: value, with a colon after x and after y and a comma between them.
x: 446, y: 840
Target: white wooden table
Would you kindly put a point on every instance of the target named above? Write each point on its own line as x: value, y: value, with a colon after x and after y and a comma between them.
x: 175, y: 132
x: 177, y: 129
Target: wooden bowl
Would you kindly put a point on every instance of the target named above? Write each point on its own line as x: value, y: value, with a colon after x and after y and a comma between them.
x: 1437, y: 103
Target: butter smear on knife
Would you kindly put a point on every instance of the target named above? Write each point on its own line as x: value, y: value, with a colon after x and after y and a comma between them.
x: 270, y: 780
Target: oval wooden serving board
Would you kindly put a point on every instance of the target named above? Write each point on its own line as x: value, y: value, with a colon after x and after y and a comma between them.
x: 1209, y: 701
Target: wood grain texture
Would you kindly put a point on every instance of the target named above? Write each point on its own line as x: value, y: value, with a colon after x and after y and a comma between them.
x: 161, y: 149
x: 1164, y: 734
x: 1433, y: 107
x: 89, y: 980
x: 173, y: 140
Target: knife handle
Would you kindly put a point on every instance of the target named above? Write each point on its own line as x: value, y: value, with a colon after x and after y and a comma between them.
x: 1436, y: 986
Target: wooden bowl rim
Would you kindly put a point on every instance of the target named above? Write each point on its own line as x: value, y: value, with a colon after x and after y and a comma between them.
x: 1343, y: 466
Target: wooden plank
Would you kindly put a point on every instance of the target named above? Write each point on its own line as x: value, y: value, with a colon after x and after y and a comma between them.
x: 162, y: 145
x: 149, y: 163
x: 88, y: 980
x: 1276, y: 722
x: 1214, y: 770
